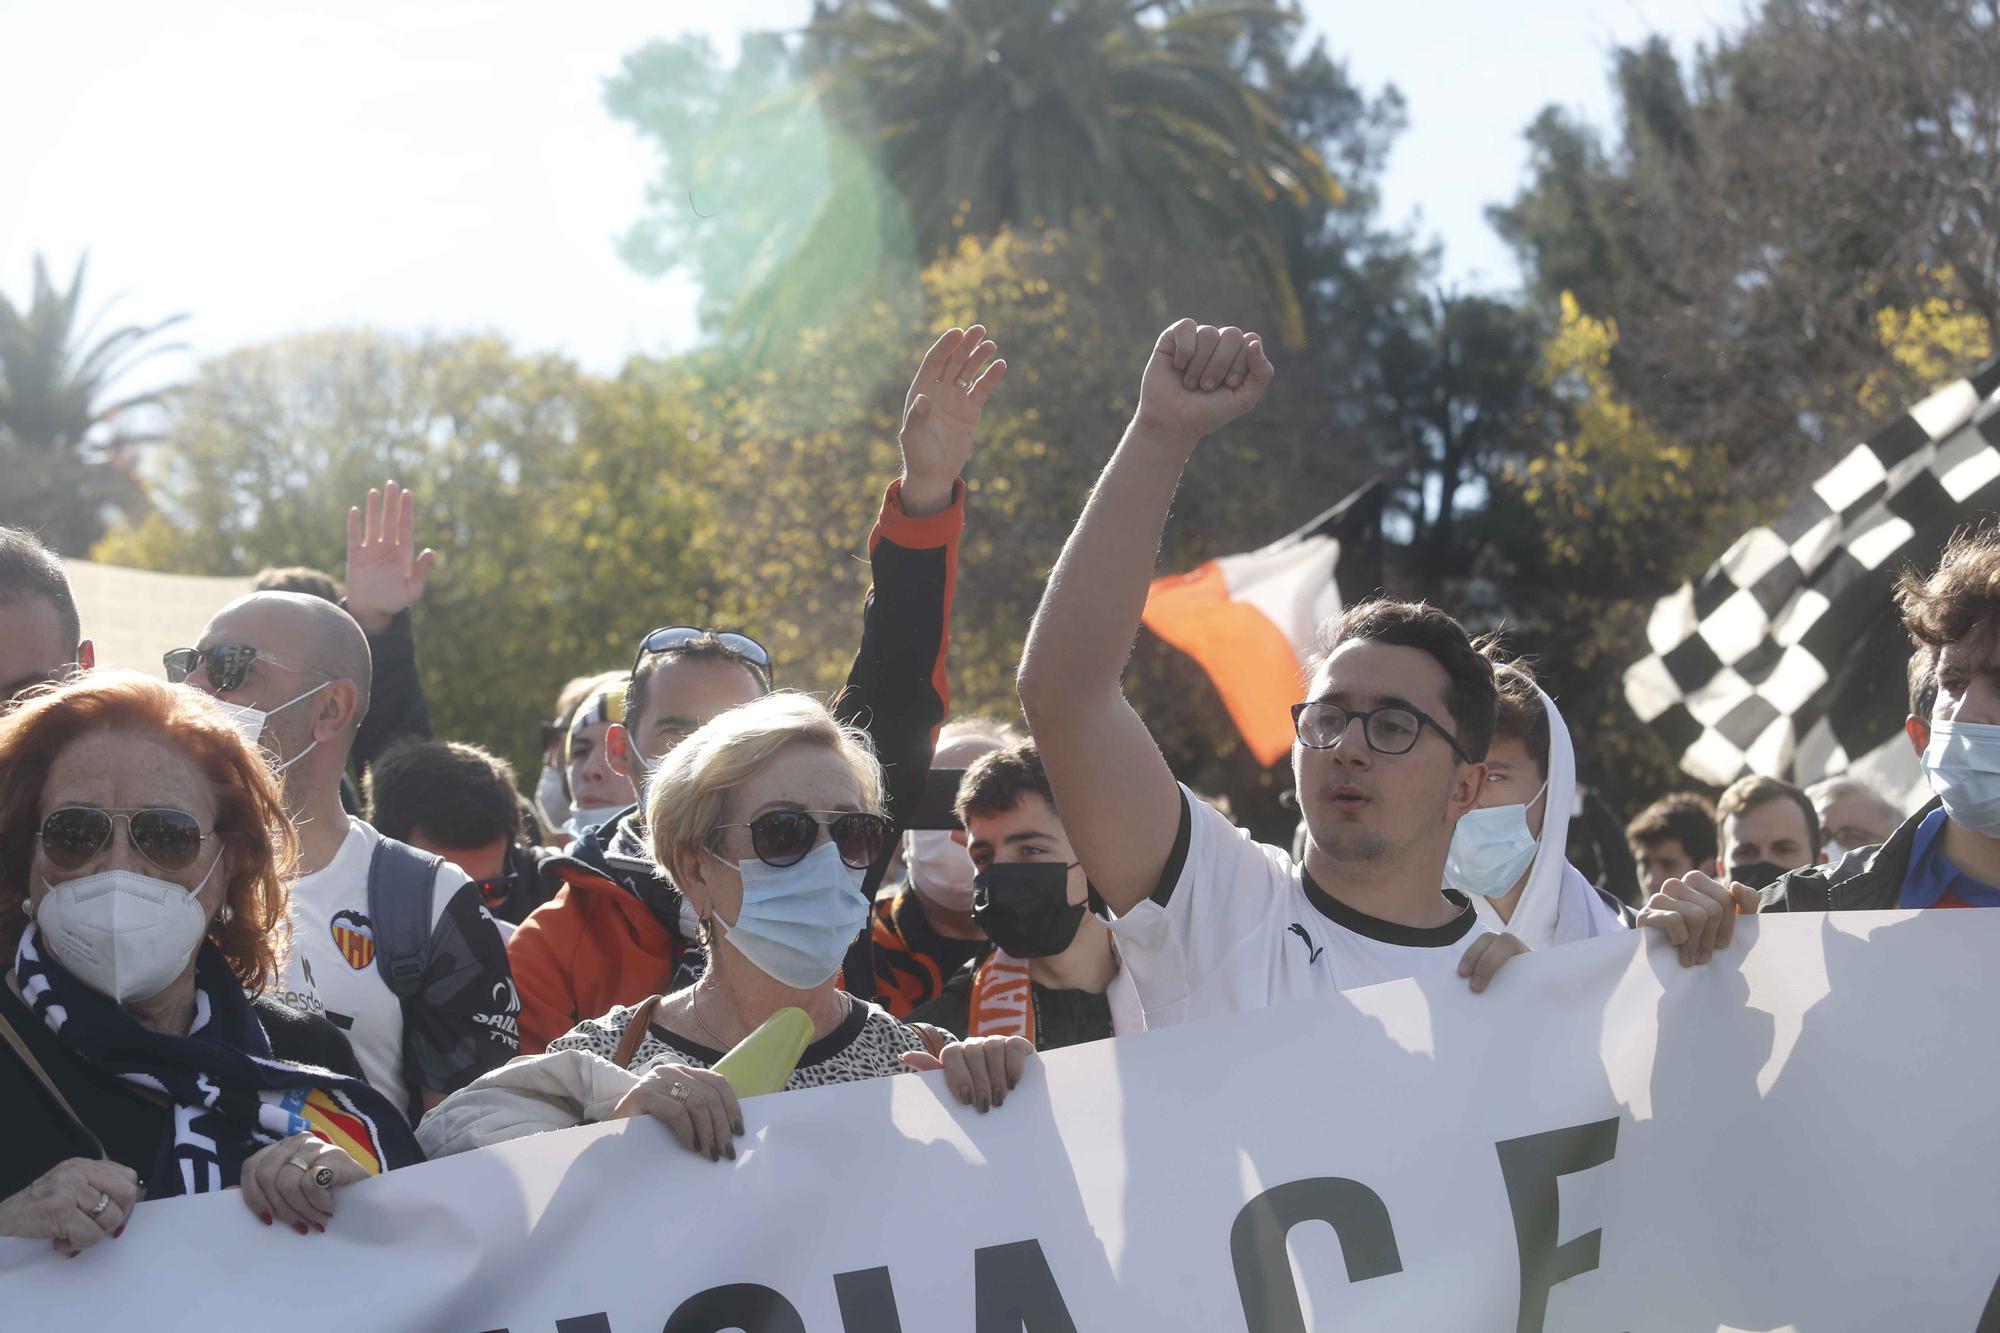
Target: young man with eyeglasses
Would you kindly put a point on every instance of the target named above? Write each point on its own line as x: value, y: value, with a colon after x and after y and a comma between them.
x: 41, y: 637
x: 1392, y: 737
x: 294, y: 672
x: 617, y: 930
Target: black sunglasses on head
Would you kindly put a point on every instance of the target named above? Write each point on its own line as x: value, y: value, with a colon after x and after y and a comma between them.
x: 781, y: 838
x: 227, y: 664
x: 170, y: 839
x: 669, y: 637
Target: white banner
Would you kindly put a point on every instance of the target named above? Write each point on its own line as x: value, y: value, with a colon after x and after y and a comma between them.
x: 1798, y: 1136
x: 132, y: 616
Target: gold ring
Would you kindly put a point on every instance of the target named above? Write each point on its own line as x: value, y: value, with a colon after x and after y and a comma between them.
x: 302, y: 1160
x: 680, y: 1092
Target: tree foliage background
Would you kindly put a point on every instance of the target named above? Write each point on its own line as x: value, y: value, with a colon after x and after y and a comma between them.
x: 1778, y: 242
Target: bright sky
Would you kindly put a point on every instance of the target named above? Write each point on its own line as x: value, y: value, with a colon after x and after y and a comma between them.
x: 448, y: 164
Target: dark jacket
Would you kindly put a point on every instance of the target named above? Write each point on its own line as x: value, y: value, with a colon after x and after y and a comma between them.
x: 396, y: 707
x: 1867, y: 879
x: 611, y: 933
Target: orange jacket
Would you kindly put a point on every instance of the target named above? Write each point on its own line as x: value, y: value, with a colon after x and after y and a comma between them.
x: 591, y: 947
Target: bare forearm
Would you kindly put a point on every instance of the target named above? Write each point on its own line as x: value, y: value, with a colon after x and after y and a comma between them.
x: 1083, y: 630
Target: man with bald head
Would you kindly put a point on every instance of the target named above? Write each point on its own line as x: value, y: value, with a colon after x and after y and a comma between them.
x: 294, y: 672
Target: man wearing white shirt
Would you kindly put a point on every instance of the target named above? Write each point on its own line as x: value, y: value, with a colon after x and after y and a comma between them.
x: 1392, y: 736
x: 295, y: 671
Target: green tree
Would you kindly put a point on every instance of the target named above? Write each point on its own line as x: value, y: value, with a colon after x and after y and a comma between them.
x: 911, y: 125
x: 65, y: 437
x: 563, y: 508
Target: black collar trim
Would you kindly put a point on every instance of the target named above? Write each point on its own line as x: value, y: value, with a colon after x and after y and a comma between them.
x: 1390, y: 932
x: 832, y: 1044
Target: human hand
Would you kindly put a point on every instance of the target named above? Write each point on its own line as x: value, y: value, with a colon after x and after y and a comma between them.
x: 941, y: 416
x: 1698, y: 914
x: 281, y: 1182
x: 385, y: 574
x: 698, y: 1105
x: 978, y: 1070
x: 75, y: 1204
x: 1201, y: 378
x: 1482, y: 960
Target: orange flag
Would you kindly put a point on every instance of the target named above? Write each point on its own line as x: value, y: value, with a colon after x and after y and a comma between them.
x: 1250, y: 619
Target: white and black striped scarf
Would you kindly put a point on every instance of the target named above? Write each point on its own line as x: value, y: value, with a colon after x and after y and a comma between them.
x: 230, y: 1096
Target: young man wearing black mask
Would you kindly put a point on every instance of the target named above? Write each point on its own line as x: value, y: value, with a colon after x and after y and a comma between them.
x: 1053, y: 975
x: 1765, y: 828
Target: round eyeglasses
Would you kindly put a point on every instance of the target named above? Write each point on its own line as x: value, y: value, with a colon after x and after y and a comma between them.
x: 1320, y: 723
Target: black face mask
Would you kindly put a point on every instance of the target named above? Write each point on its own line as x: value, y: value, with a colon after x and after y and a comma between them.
x: 1756, y: 874
x: 1024, y: 907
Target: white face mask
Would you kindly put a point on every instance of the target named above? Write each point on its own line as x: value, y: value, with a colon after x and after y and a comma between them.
x: 591, y: 817
x: 551, y: 796
x: 1491, y: 849
x: 250, y: 721
x: 125, y: 934
x: 1963, y: 764
x: 797, y: 921
x: 940, y: 868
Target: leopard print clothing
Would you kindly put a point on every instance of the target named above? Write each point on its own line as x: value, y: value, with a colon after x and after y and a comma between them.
x: 869, y: 1043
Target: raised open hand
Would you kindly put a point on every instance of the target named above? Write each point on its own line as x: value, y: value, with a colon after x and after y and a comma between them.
x: 1200, y: 378
x: 385, y: 572
x: 941, y: 415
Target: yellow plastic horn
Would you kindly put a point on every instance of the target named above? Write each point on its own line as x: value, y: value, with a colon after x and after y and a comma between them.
x: 762, y: 1061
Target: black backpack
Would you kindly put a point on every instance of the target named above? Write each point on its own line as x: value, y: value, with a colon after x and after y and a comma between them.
x: 401, y: 881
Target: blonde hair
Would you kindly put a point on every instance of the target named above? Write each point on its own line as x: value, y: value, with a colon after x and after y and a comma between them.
x: 690, y: 794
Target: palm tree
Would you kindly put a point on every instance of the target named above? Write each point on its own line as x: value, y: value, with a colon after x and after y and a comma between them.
x: 63, y: 445
x: 990, y: 112
x: 56, y: 381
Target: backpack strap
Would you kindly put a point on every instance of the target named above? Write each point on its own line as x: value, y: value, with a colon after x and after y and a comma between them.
x: 401, y: 880
x: 635, y: 1032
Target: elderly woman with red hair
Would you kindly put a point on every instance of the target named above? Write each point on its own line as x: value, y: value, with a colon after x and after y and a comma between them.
x: 143, y: 855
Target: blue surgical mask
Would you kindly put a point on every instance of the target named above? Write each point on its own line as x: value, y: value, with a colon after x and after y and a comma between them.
x: 1963, y: 764
x: 1491, y: 849
x: 797, y: 921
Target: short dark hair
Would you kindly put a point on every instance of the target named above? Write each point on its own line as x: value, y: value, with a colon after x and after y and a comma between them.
x: 1470, y: 694
x: 300, y: 579
x: 1923, y: 681
x: 1686, y: 817
x: 30, y: 569
x: 996, y: 782
x: 458, y: 794
x: 1746, y: 794
x: 706, y: 648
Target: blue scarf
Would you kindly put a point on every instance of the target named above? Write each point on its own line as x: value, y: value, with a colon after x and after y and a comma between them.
x: 230, y: 1096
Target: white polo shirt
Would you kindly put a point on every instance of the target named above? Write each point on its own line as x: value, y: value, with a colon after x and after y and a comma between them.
x: 1238, y: 925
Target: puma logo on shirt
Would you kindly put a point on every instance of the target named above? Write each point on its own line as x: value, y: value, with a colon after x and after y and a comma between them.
x: 1312, y: 951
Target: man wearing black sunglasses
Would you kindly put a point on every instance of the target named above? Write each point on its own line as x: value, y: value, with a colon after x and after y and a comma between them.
x: 1390, y: 752
x: 617, y: 931
x: 41, y: 637
x: 294, y: 670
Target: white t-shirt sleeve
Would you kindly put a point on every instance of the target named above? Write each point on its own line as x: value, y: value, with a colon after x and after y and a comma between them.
x: 1226, y: 890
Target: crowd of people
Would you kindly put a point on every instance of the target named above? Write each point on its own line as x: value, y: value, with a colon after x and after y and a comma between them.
x: 262, y: 931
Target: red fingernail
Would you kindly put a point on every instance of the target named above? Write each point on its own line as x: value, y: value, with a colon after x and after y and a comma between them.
x: 299, y: 1227
x: 265, y: 1218
x: 119, y: 1232
x: 74, y: 1253
x: 320, y: 1227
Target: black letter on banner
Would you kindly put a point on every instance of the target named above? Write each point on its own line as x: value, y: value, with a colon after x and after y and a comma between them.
x: 1013, y: 1290
x: 1530, y: 1166
x: 867, y: 1302
x: 584, y: 1323
x: 742, y: 1305
x: 1257, y: 1244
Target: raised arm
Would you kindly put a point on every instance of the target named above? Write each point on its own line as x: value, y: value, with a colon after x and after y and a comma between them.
x: 386, y: 575
x: 1120, y: 805
x: 896, y: 689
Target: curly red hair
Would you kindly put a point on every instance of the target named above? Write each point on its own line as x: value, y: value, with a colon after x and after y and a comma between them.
x: 254, y: 933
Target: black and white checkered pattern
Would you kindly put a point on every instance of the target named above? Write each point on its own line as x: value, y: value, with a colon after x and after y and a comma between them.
x: 1786, y: 658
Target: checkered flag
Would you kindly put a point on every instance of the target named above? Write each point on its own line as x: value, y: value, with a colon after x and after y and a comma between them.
x: 1786, y: 658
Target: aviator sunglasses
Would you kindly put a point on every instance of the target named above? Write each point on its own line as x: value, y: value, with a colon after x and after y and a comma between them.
x: 782, y: 838
x: 170, y: 839
x: 227, y: 664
